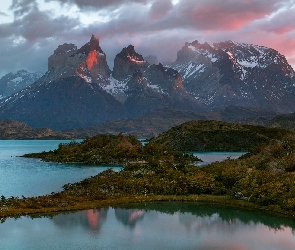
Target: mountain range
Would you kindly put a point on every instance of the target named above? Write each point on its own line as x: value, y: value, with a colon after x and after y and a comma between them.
x: 237, y: 74
x: 80, y: 90
x: 11, y: 83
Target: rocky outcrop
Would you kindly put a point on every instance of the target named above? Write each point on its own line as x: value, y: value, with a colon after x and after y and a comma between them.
x: 128, y: 62
x: 158, y: 87
x: 59, y: 59
x: 88, y: 62
x: 94, y: 67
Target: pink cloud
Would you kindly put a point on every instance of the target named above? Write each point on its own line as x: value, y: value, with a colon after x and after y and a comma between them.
x: 226, y: 15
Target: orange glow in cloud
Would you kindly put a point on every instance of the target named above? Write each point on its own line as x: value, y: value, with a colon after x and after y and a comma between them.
x: 91, y: 59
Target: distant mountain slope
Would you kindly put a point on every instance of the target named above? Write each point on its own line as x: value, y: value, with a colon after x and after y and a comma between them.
x: 244, y: 115
x: 14, y: 82
x: 237, y: 74
x: 286, y: 121
x: 14, y: 130
x: 63, y: 104
x: 155, y: 122
x: 218, y: 136
x: 148, y: 125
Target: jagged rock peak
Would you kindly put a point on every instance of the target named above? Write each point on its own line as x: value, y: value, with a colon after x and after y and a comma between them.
x: 226, y: 44
x: 127, y: 62
x: 165, y: 70
x: 92, y: 45
x: 129, y: 53
x: 94, y: 67
x: 196, y: 45
x: 65, y: 49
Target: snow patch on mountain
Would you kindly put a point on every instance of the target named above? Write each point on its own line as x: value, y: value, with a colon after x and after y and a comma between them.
x: 14, y: 82
x: 115, y: 86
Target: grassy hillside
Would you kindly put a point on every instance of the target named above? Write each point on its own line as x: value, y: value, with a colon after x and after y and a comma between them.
x: 218, y: 136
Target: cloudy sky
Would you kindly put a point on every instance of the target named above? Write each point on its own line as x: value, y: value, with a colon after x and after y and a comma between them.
x: 30, y: 30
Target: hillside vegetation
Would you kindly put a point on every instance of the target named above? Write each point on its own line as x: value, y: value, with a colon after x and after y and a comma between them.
x: 262, y: 179
x: 218, y: 136
x: 111, y: 149
x: 14, y: 130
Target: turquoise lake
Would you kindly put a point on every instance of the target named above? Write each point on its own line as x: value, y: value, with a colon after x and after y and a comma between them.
x: 32, y: 177
x: 143, y: 226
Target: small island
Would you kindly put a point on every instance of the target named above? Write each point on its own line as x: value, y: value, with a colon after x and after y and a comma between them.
x: 113, y: 150
x: 261, y: 179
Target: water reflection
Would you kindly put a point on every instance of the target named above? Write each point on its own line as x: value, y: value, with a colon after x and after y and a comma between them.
x: 152, y: 226
x: 91, y: 220
x: 129, y: 217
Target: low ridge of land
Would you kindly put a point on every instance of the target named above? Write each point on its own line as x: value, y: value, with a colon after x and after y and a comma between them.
x: 219, y: 136
x: 14, y: 130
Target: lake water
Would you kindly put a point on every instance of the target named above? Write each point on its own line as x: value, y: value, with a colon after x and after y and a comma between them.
x: 151, y: 226
x: 209, y: 157
x: 145, y: 226
x: 32, y: 177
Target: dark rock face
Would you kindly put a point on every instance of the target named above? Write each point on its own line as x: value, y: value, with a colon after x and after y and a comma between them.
x: 95, y: 66
x: 127, y: 62
x: 237, y: 74
x: 158, y: 87
x: 14, y: 82
x: 65, y: 49
x: 88, y: 62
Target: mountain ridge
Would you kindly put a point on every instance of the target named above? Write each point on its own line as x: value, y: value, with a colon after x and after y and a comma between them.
x: 80, y: 90
x: 11, y: 83
x: 231, y: 73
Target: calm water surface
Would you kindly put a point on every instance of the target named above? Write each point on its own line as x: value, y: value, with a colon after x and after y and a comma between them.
x: 32, y: 177
x: 145, y: 226
x: 209, y: 157
x: 151, y: 226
